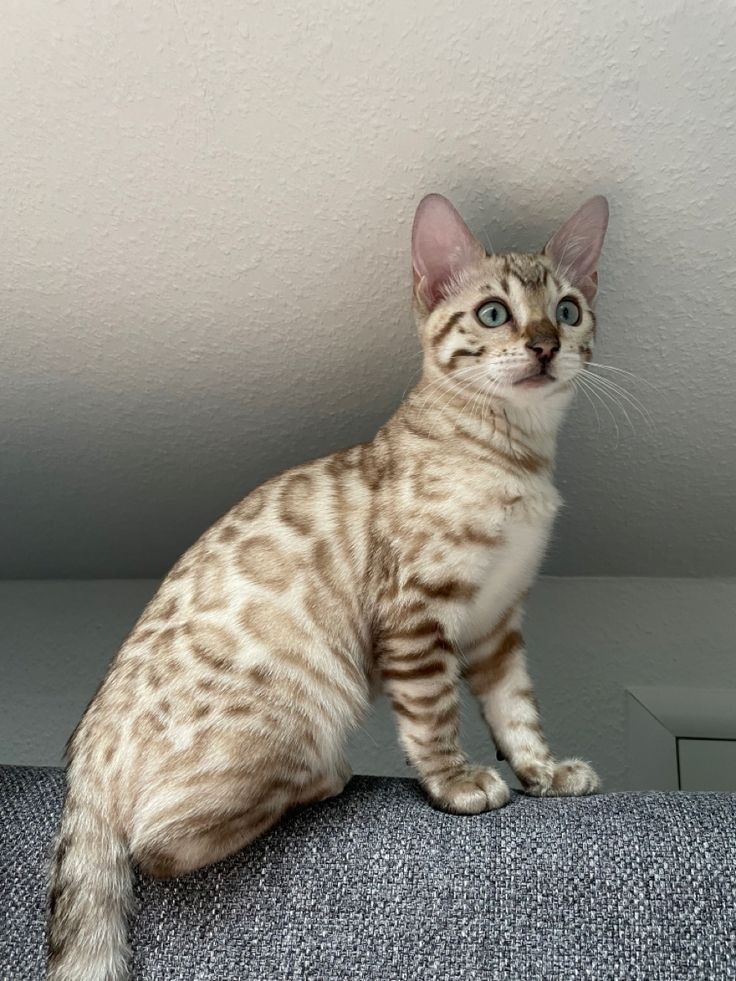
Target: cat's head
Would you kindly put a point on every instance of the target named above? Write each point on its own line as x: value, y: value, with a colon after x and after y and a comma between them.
x: 518, y: 326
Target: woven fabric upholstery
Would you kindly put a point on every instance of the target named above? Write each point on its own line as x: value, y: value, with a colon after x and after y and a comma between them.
x: 376, y: 884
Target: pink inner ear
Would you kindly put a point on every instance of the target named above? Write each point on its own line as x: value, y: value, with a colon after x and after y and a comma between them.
x: 441, y: 246
x: 577, y: 246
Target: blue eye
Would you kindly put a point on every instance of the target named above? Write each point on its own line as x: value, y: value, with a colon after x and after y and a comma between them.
x: 568, y: 312
x: 492, y: 314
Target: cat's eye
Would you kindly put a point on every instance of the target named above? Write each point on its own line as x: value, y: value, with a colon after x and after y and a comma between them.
x: 492, y: 314
x: 568, y: 312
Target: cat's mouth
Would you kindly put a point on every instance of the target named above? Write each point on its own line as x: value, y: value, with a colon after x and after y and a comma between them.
x: 536, y: 378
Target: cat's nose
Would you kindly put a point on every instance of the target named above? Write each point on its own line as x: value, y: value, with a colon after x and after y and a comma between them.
x: 544, y: 347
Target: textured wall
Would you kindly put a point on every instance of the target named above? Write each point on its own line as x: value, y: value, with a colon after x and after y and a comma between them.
x: 205, y: 211
x: 589, y: 639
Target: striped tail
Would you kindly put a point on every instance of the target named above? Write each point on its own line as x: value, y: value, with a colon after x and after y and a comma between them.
x: 91, y: 895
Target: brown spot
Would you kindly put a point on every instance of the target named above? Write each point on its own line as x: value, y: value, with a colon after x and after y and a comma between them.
x: 169, y: 609
x: 228, y: 534
x: 264, y: 562
x: 520, y: 724
x: 485, y: 674
x: 462, y: 352
x: 214, y: 646
x: 513, y: 460
x: 448, y: 589
x: 141, y: 636
x: 238, y: 709
x: 433, y: 485
x: 181, y: 569
x: 296, y: 504
x: 160, y: 608
x: 445, y: 329
x: 527, y: 695
x: 497, y: 627
x: 331, y: 605
x: 411, y: 427
x: 149, y: 722
x: 372, y: 469
x: 561, y: 775
x: 287, y: 640
x: 423, y: 628
x: 343, y: 460
x: 427, y: 701
x: 209, y: 582
x: 427, y: 670
x: 435, y: 720
x: 259, y: 674
x: 392, y: 657
x: 474, y: 536
x: 251, y: 506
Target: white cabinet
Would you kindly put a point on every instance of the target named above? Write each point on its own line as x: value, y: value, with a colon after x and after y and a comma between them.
x: 682, y: 738
x: 707, y: 764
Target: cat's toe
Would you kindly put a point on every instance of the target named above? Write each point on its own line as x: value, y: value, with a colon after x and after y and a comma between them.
x: 469, y: 790
x: 537, y: 777
x: 575, y: 778
x: 566, y: 778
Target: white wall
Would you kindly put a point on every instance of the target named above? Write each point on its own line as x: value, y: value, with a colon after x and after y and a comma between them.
x: 205, y: 212
x: 589, y: 639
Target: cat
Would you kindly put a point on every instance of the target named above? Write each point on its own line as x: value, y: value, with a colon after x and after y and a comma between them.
x: 404, y: 562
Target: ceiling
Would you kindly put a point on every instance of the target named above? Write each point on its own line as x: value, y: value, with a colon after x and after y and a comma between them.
x: 204, y: 264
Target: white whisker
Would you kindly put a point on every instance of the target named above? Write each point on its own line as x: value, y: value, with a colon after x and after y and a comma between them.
x: 582, y: 378
x: 588, y: 397
x: 624, y: 371
x: 622, y: 393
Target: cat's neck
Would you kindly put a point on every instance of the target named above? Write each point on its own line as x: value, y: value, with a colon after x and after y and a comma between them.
x: 444, y: 412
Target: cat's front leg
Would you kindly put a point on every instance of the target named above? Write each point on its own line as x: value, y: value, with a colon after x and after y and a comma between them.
x: 420, y: 672
x: 497, y: 674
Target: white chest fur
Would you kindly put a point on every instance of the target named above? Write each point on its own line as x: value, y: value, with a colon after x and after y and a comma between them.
x: 512, y: 566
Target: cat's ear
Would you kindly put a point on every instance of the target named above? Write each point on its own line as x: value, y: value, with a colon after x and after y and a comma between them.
x: 576, y: 248
x: 441, y: 246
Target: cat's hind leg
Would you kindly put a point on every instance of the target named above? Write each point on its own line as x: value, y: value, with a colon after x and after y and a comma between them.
x: 191, y: 824
x: 190, y: 812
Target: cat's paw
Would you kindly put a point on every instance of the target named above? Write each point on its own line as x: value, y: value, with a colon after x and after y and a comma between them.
x: 565, y: 778
x: 468, y: 790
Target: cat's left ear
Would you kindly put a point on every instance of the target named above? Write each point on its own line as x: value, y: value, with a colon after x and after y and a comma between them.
x: 576, y: 248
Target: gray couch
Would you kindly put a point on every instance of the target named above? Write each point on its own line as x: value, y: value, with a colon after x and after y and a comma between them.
x: 376, y: 884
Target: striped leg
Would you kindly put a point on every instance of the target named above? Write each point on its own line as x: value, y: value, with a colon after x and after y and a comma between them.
x: 420, y: 673
x: 497, y: 674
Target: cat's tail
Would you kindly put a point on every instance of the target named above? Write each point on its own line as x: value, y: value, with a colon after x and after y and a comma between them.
x: 91, y: 894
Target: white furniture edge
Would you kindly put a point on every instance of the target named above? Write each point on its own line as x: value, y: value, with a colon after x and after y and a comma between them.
x: 658, y: 716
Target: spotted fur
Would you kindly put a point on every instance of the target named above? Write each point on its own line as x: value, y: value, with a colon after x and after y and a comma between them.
x: 402, y: 562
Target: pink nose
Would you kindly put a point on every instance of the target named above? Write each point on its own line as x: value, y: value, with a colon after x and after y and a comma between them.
x: 544, y: 348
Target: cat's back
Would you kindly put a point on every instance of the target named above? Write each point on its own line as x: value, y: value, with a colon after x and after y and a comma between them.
x: 294, y: 549
x: 278, y: 574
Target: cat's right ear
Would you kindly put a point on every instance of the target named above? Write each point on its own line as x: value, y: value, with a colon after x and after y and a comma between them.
x: 442, y: 246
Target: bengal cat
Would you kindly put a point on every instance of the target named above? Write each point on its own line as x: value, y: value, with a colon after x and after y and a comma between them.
x: 404, y: 560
